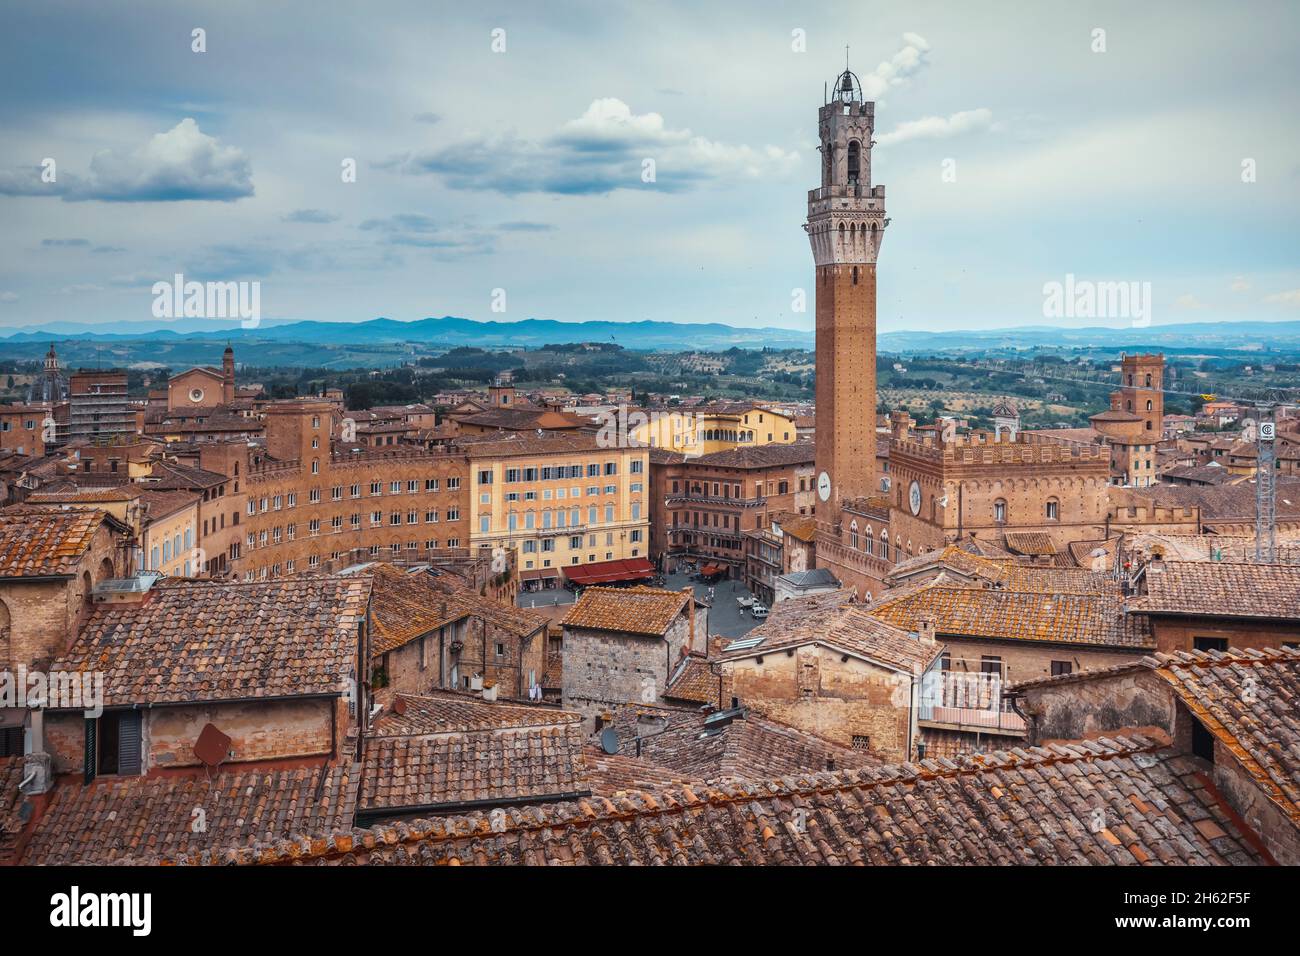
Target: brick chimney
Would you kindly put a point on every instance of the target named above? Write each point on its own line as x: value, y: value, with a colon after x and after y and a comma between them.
x: 925, y: 629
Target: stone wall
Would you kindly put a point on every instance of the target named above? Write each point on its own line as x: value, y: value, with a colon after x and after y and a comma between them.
x: 602, y: 668
x: 259, y: 730
x: 817, y: 690
x: 1076, y: 710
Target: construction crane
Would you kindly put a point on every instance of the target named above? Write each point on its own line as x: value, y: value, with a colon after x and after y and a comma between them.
x: 1265, y: 486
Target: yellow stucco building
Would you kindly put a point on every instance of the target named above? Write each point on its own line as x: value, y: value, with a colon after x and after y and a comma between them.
x: 704, y: 430
x: 560, y: 501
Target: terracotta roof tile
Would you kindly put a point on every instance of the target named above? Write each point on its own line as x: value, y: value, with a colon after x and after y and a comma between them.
x: 39, y: 543
x: 202, y: 640
x: 407, y: 604
x: 773, y: 455
x: 1052, y: 617
x: 637, y: 610
x: 693, y: 680
x: 1049, y: 803
x: 448, y: 752
x: 734, y: 744
x: 1005, y: 573
x: 1220, y: 589
x: 611, y: 774
x: 1029, y: 542
x: 114, y: 818
x: 11, y: 818
x: 832, y: 620
x: 1251, y: 702
x: 452, y: 712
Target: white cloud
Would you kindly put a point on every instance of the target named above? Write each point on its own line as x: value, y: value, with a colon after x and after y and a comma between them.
x: 1290, y: 297
x: 898, y: 69
x: 8, y: 296
x: 182, y: 163
x: 938, y: 127
x: 603, y: 150
x: 1189, y: 301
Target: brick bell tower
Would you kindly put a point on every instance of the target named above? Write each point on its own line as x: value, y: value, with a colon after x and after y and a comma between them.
x: 846, y: 221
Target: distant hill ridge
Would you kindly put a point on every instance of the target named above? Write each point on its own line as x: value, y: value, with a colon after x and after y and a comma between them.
x: 452, y: 331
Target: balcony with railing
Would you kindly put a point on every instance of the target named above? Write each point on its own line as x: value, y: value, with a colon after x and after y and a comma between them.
x: 688, y: 497
x: 969, y: 701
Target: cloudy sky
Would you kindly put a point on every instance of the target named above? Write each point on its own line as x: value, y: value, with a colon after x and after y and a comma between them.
x: 521, y: 169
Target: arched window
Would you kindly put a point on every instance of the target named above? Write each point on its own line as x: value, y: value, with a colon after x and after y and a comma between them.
x: 1053, y: 509
x: 1148, y: 404
x: 1000, y: 510
x: 1148, y: 381
x: 853, y: 534
x: 855, y: 159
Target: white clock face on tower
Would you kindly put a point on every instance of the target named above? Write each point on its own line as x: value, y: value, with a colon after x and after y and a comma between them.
x: 824, y: 486
x: 914, y: 497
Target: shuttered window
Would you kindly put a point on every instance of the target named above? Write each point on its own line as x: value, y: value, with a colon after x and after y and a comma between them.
x: 89, y: 758
x: 113, y: 744
x: 128, y: 743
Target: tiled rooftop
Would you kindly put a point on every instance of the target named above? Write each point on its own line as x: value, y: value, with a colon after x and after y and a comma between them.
x: 1004, y: 573
x: 1029, y: 542
x: 200, y: 640
x: 11, y: 822
x: 453, y: 712
x: 1118, y: 801
x: 693, y: 680
x: 1221, y: 589
x: 42, y: 542
x: 637, y: 610
x: 802, y: 527
x: 115, y: 818
x: 721, y: 745
x: 830, y: 619
x: 449, y: 751
x: 406, y: 604
x: 1251, y: 702
x: 1009, y: 615
x: 608, y: 775
x: 496, y: 768
x: 773, y: 455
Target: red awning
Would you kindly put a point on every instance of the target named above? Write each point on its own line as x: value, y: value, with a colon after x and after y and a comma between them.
x: 610, y: 572
x: 538, y: 574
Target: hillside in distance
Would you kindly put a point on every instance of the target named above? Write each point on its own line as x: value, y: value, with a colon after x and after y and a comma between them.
x: 387, y: 342
x: 447, y: 331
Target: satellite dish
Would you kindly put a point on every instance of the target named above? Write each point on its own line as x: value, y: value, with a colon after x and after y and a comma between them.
x: 213, y: 747
x: 609, y: 740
